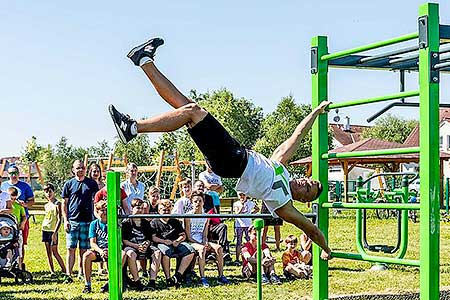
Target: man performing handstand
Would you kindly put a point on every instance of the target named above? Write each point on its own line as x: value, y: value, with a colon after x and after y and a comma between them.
x: 259, y: 177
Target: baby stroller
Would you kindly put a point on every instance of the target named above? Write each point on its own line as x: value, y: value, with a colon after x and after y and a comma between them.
x: 9, y: 252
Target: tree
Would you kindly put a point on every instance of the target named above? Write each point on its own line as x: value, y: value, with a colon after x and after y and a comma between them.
x: 279, y: 125
x: 102, y: 149
x: 31, y: 152
x: 139, y: 150
x: 239, y: 116
x: 390, y: 128
x: 57, y: 161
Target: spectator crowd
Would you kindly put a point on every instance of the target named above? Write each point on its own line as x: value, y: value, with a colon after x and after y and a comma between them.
x: 149, y: 244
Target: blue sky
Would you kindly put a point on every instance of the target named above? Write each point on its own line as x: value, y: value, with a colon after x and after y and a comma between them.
x: 63, y: 62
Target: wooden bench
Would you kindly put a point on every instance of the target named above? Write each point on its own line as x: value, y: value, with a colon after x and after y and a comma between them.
x: 37, y: 210
x: 226, y: 204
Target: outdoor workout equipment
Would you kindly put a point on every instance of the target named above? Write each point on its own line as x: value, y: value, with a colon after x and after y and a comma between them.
x: 115, y: 234
x: 427, y: 62
x: 401, y: 195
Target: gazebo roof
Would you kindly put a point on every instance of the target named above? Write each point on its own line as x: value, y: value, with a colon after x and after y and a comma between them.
x: 370, y: 144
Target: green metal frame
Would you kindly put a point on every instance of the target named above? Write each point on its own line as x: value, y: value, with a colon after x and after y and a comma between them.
x: 428, y: 152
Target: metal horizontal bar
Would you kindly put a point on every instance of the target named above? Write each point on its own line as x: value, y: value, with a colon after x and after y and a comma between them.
x: 380, y: 259
x: 400, y: 206
x: 371, y: 153
x: 403, y: 104
x: 402, y: 59
x: 375, y: 45
x: 387, y: 54
x: 373, y: 100
x: 441, y: 65
x: 443, y: 58
x: 207, y: 216
x: 412, y: 57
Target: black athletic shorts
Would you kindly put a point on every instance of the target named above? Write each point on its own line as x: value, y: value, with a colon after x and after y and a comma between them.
x: 226, y: 157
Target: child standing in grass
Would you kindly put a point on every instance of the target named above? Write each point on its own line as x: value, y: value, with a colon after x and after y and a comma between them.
x: 50, y: 227
x: 18, y: 211
x: 294, y: 261
x: 241, y: 225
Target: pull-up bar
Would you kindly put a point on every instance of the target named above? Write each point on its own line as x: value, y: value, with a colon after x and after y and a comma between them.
x: 401, y: 104
x: 374, y: 99
x: 379, y: 259
x: 387, y: 54
x: 371, y: 153
x: 399, y: 206
x: 375, y: 45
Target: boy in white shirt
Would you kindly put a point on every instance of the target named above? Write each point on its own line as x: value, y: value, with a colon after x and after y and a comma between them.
x: 241, y: 225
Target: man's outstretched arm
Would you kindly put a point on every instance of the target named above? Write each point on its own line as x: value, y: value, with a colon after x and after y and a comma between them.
x: 290, y: 214
x: 286, y: 150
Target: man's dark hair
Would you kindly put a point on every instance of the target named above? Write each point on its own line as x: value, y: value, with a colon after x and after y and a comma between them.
x: 197, y: 194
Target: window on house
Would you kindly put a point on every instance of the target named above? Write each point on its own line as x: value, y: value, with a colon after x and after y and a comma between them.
x: 441, y: 140
x: 448, y: 141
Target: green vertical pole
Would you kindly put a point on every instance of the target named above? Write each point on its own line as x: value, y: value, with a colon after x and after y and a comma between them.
x: 259, y: 225
x: 319, y: 72
x: 114, y: 237
x: 429, y: 152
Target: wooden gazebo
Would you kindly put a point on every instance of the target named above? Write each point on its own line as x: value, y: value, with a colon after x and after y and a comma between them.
x: 390, y: 162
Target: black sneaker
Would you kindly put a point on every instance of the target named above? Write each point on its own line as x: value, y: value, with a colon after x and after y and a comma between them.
x: 137, y: 285
x: 151, y: 285
x: 67, y: 279
x: 146, y: 49
x: 104, y: 288
x: 87, y: 289
x: 126, y: 127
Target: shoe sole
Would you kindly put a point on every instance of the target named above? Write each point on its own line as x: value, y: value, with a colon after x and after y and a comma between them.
x: 111, y: 110
x: 135, y: 49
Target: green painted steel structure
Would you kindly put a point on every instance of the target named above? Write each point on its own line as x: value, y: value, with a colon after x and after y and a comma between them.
x: 428, y: 42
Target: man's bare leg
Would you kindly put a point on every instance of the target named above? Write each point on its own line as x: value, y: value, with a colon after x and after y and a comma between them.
x: 189, y: 115
x: 186, y: 111
x: 164, y: 87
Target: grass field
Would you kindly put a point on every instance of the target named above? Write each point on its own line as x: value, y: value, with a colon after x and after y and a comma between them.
x: 346, y: 277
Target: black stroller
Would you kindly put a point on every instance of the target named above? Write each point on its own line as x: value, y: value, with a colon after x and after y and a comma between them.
x: 9, y: 252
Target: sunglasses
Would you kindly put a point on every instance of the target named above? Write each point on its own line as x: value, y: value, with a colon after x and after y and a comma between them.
x: 14, y: 173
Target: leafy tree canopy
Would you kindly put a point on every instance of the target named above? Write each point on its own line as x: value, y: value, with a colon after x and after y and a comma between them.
x: 390, y: 128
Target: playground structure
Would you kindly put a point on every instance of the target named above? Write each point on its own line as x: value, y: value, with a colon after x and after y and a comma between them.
x: 165, y: 177
x: 429, y: 63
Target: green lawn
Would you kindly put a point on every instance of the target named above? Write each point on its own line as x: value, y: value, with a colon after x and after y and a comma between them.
x: 346, y: 277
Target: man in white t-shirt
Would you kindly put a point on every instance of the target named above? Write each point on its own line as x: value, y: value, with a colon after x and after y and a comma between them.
x: 259, y: 177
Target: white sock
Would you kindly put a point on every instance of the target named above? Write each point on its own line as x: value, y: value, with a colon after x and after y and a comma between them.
x: 145, y: 60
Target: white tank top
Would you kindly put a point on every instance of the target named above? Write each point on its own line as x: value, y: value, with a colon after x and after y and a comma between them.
x: 197, y: 228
